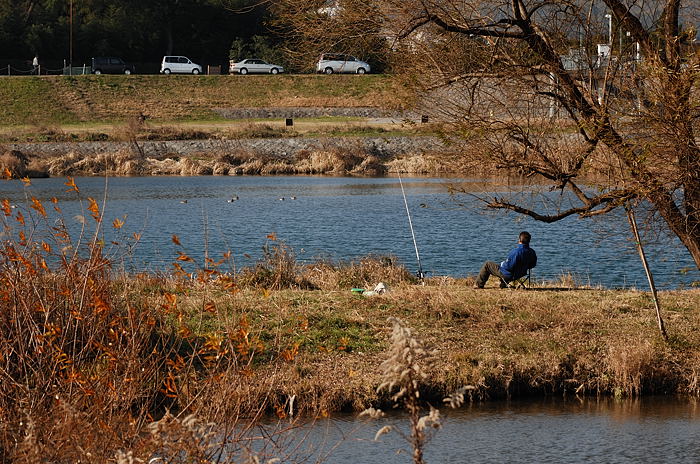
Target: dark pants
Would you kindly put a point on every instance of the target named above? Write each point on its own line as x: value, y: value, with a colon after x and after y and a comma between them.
x: 487, y: 270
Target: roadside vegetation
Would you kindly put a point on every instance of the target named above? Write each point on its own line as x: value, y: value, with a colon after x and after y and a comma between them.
x: 96, y: 365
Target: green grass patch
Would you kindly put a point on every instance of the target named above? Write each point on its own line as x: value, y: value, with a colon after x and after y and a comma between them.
x: 338, y: 333
x: 32, y: 101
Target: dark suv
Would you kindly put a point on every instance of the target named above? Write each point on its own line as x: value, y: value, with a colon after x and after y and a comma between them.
x: 110, y: 65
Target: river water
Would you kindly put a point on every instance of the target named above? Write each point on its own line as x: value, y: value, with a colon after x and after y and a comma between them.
x: 349, y: 217
x: 649, y: 430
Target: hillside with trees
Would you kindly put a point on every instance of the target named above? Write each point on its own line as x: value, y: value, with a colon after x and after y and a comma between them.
x: 140, y: 32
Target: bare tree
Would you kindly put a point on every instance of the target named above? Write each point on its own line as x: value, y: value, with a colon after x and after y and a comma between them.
x: 596, y: 100
x: 605, y: 127
x: 312, y: 27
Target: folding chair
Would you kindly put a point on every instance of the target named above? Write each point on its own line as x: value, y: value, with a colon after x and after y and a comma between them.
x: 523, y: 282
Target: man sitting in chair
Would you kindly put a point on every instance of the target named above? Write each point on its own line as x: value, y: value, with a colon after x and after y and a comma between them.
x: 519, y: 261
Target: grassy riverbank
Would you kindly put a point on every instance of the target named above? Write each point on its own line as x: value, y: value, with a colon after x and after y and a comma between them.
x: 98, y: 125
x: 548, y: 341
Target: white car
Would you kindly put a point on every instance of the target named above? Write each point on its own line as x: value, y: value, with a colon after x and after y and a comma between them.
x: 254, y: 66
x: 180, y: 65
x: 330, y: 63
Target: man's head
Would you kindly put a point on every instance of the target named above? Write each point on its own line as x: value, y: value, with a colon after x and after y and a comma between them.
x: 524, y: 238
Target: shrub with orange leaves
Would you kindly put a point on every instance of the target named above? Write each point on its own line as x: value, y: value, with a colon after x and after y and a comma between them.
x: 76, y: 337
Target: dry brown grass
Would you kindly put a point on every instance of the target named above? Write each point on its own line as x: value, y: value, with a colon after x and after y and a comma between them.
x: 434, y: 164
x: 259, y: 131
x: 124, y: 162
x: 14, y: 163
x: 365, y: 272
x: 631, y: 361
x: 131, y: 161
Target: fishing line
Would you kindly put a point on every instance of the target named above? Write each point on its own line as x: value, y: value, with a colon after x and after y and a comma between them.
x: 410, y: 224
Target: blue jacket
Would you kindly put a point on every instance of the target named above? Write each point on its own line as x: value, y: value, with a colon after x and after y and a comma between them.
x: 519, y: 260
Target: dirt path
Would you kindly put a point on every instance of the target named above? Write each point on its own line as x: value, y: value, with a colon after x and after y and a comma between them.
x: 301, y: 125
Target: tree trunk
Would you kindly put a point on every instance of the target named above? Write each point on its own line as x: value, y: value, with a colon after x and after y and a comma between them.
x: 681, y: 225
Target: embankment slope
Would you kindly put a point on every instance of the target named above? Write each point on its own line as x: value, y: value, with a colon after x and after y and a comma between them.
x: 55, y: 100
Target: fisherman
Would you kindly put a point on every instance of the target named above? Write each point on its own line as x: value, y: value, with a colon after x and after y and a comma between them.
x: 35, y: 65
x: 520, y: 260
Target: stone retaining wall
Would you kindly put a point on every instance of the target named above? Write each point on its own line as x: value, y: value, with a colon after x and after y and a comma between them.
x: 302, y: 112
x: 381, y: 147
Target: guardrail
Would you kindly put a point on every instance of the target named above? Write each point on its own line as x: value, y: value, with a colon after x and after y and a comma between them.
x: 40, y: 70
x: 76, y: 70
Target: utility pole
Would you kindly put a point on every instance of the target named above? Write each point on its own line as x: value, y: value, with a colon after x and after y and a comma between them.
x: 620, y: 52
x: 70, y: 37
x: 610, y: 35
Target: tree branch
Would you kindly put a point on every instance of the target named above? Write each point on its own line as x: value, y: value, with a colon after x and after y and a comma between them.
x: 631, y: 23
x: 610, y: 200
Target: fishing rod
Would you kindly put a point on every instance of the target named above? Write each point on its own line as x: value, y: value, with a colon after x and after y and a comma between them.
x: 419, y: 274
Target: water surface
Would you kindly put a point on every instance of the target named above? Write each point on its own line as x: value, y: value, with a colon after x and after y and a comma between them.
x: 649, y: 430
x: 345, y: 218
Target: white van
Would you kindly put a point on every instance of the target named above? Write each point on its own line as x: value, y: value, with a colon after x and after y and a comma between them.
x: 179, y: 64
x: 330, y: 63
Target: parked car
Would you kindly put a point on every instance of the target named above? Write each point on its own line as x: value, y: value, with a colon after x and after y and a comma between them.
x: 330, y: 63
x: 254, y: 66
x: 180, y: 65
x: 110, y: 65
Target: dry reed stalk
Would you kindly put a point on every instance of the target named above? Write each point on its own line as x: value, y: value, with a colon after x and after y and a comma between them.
x: 87, y: 360
x: 317, y: 162
x: 630, y: 363
x: 405, y: 368
x: 14, y: 162
x: 365, y: 272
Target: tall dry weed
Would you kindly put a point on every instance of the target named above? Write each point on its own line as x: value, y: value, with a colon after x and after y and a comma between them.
x: 89, y: 358
x: 14, y: 163
x: 405, y: 369
x: 277, y: 269
x: 630, y: 363
x: 406, y: 366
x: 365, y: 272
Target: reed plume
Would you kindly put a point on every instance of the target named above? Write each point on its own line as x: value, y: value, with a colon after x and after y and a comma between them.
x: 408, y: 362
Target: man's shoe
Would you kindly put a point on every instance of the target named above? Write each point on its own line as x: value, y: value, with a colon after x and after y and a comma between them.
x: 478, y: 286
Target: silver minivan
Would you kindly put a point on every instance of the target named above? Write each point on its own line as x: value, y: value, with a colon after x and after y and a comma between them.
x: 179, y: 64
x: 330, y: 63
